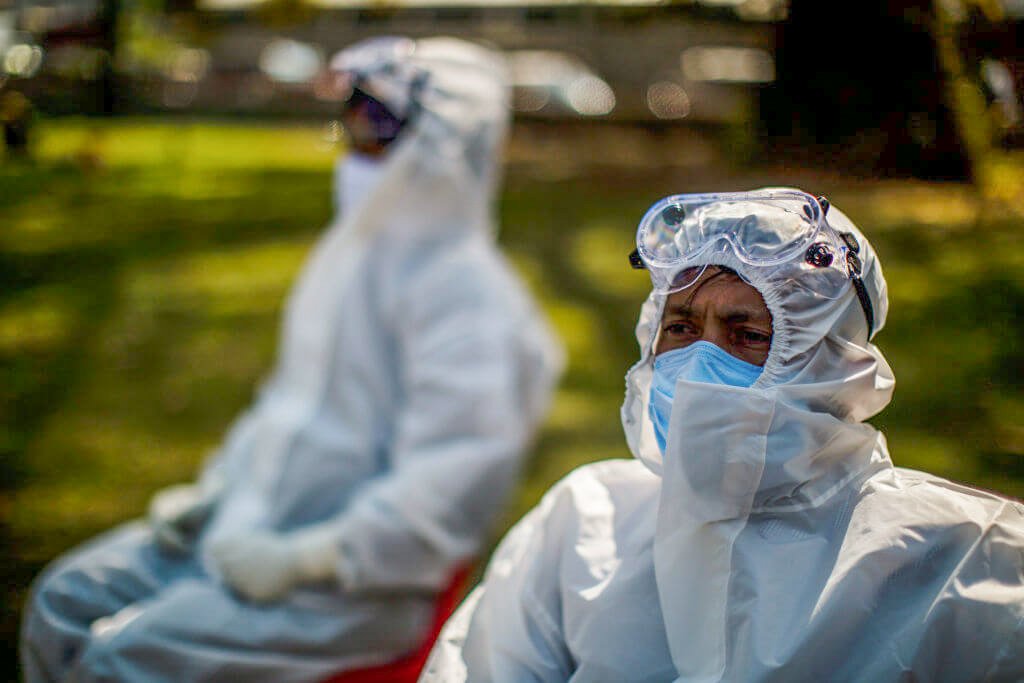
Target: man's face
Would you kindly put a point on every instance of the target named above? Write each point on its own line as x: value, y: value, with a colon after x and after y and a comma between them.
x: 722, y: 309
x: 361, y: 131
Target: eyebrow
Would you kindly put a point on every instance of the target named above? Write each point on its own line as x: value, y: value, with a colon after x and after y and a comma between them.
x: 739, y: 314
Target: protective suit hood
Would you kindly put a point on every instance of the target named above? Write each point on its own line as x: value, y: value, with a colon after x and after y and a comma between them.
x: 444, y: 166
x: 788, y: 443
x: 820, y: 360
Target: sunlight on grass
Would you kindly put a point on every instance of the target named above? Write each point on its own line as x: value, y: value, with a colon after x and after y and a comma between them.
x: 532, y: 273
x: 1007, y: 411
x: 921, y: 450
x: 41, y: 319
x: 1004, y: 174
x: 187, y: 144
x: 103, y: 444
x: 944, y: 207
x: 35, y: 227
x: 574, y: 410
x: 100, y: 469
x: 48, y: 519
x: 224, y: 282
x: 578, y: 328
x: 600, y: 255
x: 912, y: 284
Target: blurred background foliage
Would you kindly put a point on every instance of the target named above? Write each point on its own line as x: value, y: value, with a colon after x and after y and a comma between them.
x: 145, y: 255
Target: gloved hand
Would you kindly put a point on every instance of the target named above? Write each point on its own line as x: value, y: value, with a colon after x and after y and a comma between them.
x: 177, y: 512
x: 264, y: 567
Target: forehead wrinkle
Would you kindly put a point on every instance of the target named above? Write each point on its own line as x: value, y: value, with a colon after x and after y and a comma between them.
x: 730, y: 312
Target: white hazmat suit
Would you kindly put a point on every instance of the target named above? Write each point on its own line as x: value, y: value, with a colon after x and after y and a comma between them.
x: 773, y: 541
x: 413, y: 370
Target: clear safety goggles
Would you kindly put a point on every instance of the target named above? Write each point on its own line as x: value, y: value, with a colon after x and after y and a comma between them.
x: 375, y: 122
x: 679, y: 236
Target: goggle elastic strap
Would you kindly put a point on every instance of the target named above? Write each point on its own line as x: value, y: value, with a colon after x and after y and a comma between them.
x: 854, y: 268
x: 865, y: 303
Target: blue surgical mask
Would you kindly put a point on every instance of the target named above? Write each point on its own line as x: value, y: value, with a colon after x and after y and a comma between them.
x: 699, y: 362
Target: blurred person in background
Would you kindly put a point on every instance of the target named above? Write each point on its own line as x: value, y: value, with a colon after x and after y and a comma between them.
x: 16, y: 115
x: 413, y: 371
x: 761, y: 533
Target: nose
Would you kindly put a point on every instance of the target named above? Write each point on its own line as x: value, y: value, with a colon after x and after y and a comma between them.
x: 717, y: 334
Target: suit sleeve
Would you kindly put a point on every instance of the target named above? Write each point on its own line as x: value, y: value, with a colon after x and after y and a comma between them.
x: 460, y: 433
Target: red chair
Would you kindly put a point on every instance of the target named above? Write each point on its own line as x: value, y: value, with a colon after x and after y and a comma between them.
x: 407, y: 669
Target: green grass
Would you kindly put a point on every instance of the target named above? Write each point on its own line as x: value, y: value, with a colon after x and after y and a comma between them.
x: 143, y: 268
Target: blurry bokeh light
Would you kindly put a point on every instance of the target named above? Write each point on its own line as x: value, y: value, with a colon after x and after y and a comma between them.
x: 290, y: 61
x: 728, y: 65
x: 334, y: 133
x: 23, y: 60
x: 590, y: 96
x: 189, y: 65
x: 754, y: 10
x: 185, y: 69
x: 668, y: 100
x: 999, y: 79
x: 542, y: 79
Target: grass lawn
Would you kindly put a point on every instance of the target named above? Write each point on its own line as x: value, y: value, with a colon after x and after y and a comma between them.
x: 144, y: 265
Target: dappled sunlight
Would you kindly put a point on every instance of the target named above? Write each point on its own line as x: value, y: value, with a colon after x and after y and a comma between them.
x: 1006, y: 411
x: 111, y: 446
x: 48, y: 519
x: 532, y: 273
x: 600, y: 254
x: 187, y: 144
x: 919, y: 449
x: 1004, y: 176
x: 38, y: 320
x: 946, y: 207
x: 244, y: 280
x: 197, y: 185
x: 575, y: 411
x: 35, y: 228
x: 910, y: 284
x: 581, y: 332
x: 204, y: 358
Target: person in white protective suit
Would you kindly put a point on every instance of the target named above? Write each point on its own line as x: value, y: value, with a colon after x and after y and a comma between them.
x: 762, y: 532
x: 413, y: 371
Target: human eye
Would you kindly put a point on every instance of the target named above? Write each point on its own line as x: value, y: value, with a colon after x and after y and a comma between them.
x: 753, y: 337
x: 680, y: 328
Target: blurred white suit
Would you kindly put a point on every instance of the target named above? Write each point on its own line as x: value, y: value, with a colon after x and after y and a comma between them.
x: 413, y: 370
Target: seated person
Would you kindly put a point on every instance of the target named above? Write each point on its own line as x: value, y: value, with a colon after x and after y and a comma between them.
x: 762, y: 533
x: 413, y: 371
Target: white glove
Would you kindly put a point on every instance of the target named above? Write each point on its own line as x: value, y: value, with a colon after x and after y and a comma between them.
x: 265, y: 566
x: 176, y: 513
